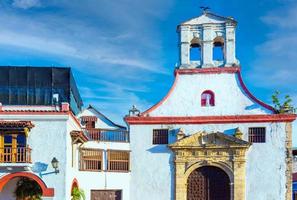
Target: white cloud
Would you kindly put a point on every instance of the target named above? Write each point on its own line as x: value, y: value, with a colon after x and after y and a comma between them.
x: 26, y: 4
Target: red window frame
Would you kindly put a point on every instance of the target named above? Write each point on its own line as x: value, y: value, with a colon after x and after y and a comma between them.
x: 203, y: 98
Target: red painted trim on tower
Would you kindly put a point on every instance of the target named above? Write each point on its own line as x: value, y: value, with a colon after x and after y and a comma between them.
x: 212, y: 119
x: 46, y: 192
x: 213, y: 70
x: 162, y: 101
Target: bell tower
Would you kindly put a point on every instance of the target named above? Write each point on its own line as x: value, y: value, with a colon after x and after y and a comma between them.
x: 207, y: 41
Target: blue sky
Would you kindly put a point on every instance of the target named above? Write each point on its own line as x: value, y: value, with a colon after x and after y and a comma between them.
x: 123, y: 52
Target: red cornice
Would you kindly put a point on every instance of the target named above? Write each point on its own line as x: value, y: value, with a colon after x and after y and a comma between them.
x: 213, y: 70
x: 212, y: 119
x: 33, y: 112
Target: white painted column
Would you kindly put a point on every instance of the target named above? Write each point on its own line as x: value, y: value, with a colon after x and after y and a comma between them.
x: 184, y: 46
x: 207, y: 47
x: 230, y: 45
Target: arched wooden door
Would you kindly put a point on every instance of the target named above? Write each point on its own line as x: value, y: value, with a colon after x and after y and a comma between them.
x: 208, y: 183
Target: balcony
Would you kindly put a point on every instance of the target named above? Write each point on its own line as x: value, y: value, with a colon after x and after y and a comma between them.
x: 15, y: 155
x: 105, y: 135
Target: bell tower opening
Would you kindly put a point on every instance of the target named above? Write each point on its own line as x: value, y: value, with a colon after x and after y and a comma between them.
x: 195, y: 51
x: 218, y: 51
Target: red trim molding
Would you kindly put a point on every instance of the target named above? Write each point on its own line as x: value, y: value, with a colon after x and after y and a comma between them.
x: 74, y: 185
x: 46, y: 192
x: 213, y: 70
x: 212, y: 119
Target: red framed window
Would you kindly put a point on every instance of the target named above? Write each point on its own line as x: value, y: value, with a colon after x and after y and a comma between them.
x: 207, y: 98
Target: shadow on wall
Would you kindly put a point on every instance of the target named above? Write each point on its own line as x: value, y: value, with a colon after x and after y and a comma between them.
x: 163, y: 148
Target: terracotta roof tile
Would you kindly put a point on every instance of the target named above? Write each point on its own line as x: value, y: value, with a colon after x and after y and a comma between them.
x: 79, y: 134
x: 16, y: 124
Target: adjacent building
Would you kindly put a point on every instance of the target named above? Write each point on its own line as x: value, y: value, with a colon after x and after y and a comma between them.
x: 47, y: 137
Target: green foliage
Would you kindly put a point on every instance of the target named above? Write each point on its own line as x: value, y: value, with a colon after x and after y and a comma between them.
x: 28, y: 189
x: 285, y: 107
x: 78, y: 194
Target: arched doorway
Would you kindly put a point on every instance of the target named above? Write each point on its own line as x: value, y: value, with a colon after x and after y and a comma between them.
x: 9, y: 182
x: 208, y: 183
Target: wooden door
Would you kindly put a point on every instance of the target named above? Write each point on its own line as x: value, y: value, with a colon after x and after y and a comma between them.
x: 106, y: 194
x: 208, y: 183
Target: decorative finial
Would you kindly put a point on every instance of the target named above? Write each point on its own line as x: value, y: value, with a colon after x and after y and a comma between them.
x: 204, y: 9
x: 238, y: 134
x: 134, y: 111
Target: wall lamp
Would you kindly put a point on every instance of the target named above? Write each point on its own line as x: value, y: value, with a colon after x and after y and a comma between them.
x: 55, y: 164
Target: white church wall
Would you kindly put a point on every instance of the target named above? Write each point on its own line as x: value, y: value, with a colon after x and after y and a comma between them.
x: 230, y: 99
x: 152, y: 172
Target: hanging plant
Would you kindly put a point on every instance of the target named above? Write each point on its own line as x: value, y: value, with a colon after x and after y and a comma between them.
x: 77, y: 194
x: 27, y: 189
x: 285, y: 107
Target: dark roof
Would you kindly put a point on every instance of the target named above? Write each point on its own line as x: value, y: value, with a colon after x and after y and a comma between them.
x: 99, y: 113
x: 27, y: 85
x: 15, y: 124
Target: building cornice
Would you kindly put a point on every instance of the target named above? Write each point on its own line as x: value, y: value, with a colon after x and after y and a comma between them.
x: 211, y: 119
x: 213, y: 70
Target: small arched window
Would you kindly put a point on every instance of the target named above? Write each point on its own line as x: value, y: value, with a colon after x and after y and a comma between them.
x: 207, y: 98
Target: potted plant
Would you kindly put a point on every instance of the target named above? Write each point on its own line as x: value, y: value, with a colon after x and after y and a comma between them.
x: 285, y: 107
x: 77, y: 194
x: 27, y: 189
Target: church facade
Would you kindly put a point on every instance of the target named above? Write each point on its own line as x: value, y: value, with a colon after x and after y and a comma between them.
x: 209, y: 137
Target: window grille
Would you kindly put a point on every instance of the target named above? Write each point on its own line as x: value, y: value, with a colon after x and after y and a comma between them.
x: 90, y: 159
x: 257, y: 135
x: 118, y: 160
x: 160, y: 136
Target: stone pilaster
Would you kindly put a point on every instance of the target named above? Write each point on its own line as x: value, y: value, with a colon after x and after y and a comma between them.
x: 289, y: 160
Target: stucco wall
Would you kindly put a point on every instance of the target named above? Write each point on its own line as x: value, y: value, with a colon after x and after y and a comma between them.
x: 47, y: 140
x: 152, y: 172
x: 230, y: 98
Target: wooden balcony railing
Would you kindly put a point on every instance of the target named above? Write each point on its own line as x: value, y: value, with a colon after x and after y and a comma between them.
x: 15, y: 155
x: 107, y: 135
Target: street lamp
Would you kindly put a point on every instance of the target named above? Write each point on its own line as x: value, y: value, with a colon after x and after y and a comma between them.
x: 55, y: 164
